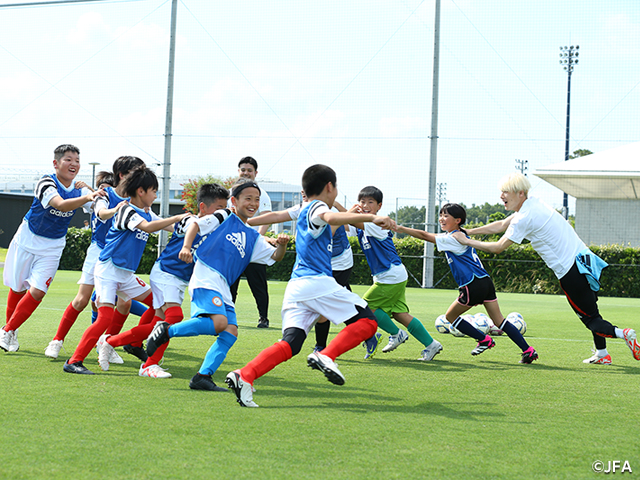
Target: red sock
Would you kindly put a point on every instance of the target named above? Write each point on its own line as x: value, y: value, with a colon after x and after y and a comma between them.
x: 146, y: 320
x: 135, y: 336
x: 12, y: 302
x: 350, y: 337
x: 117, y: 323
x: 171, y: 316
x: 149, y: 300
x: 91, y: 334
x: 266, y: 361
x: 68, y: 319
x: 26, y: 306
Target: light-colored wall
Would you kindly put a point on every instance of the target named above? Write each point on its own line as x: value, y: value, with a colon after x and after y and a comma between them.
x: 601, y: 222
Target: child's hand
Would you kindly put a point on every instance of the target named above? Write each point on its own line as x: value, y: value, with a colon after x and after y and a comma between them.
x: 121, y: 204
x: 80, y: 185
x: 355, y: 209
x: 185, y: 255
x: 385, y: 223
x: 91, y: 196
x: 283, y: 239
x: 460, y: 237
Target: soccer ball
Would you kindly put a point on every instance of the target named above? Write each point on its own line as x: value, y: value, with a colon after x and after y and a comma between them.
x: 442, y: 324
x: 516, y: 319
x: 482, y: 323
x: 493, y: 330
x: 455, y: 332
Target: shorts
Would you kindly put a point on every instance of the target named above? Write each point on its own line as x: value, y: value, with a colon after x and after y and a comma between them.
x: 23, y: 269
x: 166, y: 288
x: 209, y: 302
x: 476, y: 292
x: 342, y: 277
x: 388, y: 297
x: 89, y: 265
x: 111, y: 280
x: 337, y: 307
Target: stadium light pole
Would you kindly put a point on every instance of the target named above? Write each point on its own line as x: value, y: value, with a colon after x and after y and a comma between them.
x: 522, y: 166
x: 93, y: 174
x: 568, y: 58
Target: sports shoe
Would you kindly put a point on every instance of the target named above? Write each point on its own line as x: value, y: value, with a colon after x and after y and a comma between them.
x: 159, y: 336
x: 395, y: 341
x: 318, y: 348
x: 632, y: 342
x: 153, y: 371
x: 372, y: 345
x: 483, y: 345
x: 136, y: 352
x: 115, y: 358
x: 529, y: 355
x: 263, y: 322
x: 9, y: 340
x: 242, y: 389
x: 327, y: 366
x: 76, y: 367
x: 597, y: 360
x: 104, y: 352
x: 204, y: 382
x: 53, y: 349
x: 431, y: 351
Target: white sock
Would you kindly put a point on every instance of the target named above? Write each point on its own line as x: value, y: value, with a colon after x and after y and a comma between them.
x: 602, y: 353
x: 619, y: 333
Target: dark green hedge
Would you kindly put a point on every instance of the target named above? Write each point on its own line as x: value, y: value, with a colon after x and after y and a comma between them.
x: 518, y: 269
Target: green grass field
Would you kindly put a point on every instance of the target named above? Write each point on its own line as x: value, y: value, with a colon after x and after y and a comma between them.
x: 456, y: 417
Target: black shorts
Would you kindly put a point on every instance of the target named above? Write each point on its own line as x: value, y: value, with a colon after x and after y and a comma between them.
x: 342, y: 277
x: 477, y: 292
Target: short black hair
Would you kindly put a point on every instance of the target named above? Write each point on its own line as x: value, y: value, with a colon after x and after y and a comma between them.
x: 371, y: 192
x: 237, y: 187
x: 456, y: 211
x: 210, y: 192
x: 104, y: 177
x: 59, y: 152
x: 316, y: 177
x: 139, y: 177
x: 124, y: 165
x: 250, y: 161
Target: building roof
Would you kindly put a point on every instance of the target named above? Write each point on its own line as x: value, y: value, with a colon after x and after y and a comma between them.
x: 612, y: 174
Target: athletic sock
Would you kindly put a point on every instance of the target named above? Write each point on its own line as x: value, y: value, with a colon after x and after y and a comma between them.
x: 146, y: 320
x: 171, y: 315
x: 117, y: 322
x: 602, y: 353
x: 91, y: 334
x: 217, y: 353
x: 94, y: 315
x: 420, y: 333
x: 619, y: 332
x: 322, y: 333
x: 514, y: 334
x: 266, y: 361
x: 26, y: 306
x: 12, y: 302
x: 385, y: 322
x: 135, y: 336
x: 69, y: 317
x: 350, y: 337
x: 137, y: 308
x: 468, y: 329
x: 193, y: 328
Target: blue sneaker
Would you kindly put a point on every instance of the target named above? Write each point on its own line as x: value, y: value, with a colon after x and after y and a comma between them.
x: 371, y: 345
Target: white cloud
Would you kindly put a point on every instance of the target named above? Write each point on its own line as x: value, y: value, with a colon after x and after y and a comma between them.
x: 90, y: 29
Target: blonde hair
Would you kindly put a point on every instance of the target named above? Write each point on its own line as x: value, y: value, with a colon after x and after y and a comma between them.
x: 514, y: 182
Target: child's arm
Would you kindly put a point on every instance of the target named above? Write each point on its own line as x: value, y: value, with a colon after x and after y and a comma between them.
x: 155, y: 225
x: 185, y: 252
x: 269, y: 218
x: 106, y: 213
x: 426, y: 236
x: 281, y: 248
x: 491, y: 228
x: 344, y: 218
x: 491, y: 247
x: 70, y: 204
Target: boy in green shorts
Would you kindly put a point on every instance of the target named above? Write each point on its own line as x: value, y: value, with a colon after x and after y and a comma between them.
x: 386, y: 297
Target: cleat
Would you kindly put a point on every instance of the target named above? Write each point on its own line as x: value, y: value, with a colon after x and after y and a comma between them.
x: 632, y: 342
x: 431, y: 351
x: 204, y: 382
x: 115, y: 358
x: 529, y: 355
x: 318, y: 348
x: 9, y: 340
x: 372, y: 345
x: 263, y: 322
x: 597, y: 360
x: 104, y: 352
x: 159, y: 336
x: 483, y: 345
x: 53, y: 349
x: 76, y: 367
x: 242, y: 389
x: 395, y: 341
x: 153, y: 371
x: 137, y: 352
x: 327, y: 366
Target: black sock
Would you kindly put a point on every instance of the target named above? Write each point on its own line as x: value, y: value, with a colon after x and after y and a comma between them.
x: 514, y: 334
x: 468, y: 329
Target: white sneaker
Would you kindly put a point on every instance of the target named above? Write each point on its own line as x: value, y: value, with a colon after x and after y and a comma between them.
x: 395, y: 341
x: 153, y: 371
x: 327, y: 366
x: 115, y: 358
x: 431, y: 351
x: 104, y: 352
x: 598, y: 360
x: 53, y: 349
x: 242, y: 389
x: 9, y: 340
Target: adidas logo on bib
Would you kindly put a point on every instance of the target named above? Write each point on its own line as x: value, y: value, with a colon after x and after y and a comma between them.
x: 238, y: 239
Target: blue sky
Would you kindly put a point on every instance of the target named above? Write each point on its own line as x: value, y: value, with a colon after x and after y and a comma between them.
x: 343, y: 83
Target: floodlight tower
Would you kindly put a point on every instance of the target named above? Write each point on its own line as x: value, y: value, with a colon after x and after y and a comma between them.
x: 522, y: 166
x: 568, y: 58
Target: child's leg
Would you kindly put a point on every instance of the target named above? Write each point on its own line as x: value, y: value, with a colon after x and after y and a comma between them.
x: 12, y: 302
x: 74, y: 309
x: 25, y: 307
x: 499, y: 321
x: 454, y: 317
x: 361, y: 327
x: 218, y: 351
x: 415, y: 327
x: 322, y: 332
x: 274, y: 355
x: 91, y: 334
x: 172, y: 315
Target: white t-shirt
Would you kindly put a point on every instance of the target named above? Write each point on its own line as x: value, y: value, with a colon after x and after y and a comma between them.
x: 550, y: 235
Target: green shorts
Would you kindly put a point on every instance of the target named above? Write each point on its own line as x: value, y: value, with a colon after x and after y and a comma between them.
x: 388, y: 297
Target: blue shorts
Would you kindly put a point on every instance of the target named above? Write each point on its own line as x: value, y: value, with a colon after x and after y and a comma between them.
x: 209, y: 302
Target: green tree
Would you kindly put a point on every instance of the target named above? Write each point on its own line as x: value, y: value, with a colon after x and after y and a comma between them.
x: 190, y: 190
x: 582, y: 152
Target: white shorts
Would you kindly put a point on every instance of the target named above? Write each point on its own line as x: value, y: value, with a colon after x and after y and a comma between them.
x: 112, y: 281
x: 166, y: 288
x: 336, y: 307
x: 23, y: 269
x: 89, y: 265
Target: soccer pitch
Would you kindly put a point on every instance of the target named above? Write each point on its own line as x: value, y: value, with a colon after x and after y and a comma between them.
x: 396, y: 417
